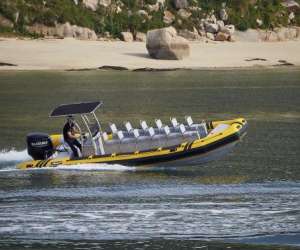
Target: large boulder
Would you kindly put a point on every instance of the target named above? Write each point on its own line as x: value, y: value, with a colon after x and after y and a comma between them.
x: 4, y: 22
x: 63, y: 30
x: 143, y: 13
x: 84, y: 33
x: 180, y: 4
x: 291, y: 5
x: 66, y: 30
x: 279, y: 34
x: 168, y: 17
x: 221, y: 24
x: 250, y: 35
x: 126, y: 36
x: 229, y: 29
x: 153, y: 7
x: 223, y: 14
x: 211, y: 27
x: 210, y: 36
x: 104, y: 3
x: 140, y: 37
x: 43, y: 30
x: 190, y: 35
x: 91, y: 4
x: 165, y: 44
x: 161, y: 2
x: 286, y: 33
x: 222, y: 36
x: 184, y: 14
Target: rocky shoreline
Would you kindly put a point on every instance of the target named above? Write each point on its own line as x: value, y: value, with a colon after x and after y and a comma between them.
x: 191, y: 19
x: 72, y: 54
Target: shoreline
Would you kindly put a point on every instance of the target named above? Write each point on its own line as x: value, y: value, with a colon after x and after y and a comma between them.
x: 79, y: 55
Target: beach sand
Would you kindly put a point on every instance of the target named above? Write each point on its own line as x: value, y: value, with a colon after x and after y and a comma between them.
x: 65, y: 54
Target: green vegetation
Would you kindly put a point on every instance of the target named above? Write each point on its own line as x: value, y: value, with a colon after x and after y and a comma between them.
x: 242, y: 13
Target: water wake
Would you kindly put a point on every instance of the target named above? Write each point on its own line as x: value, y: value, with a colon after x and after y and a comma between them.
x: 9, y: 159
x: 94, y: 166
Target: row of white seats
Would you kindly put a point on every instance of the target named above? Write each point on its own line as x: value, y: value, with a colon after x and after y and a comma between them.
x: 146, y: 131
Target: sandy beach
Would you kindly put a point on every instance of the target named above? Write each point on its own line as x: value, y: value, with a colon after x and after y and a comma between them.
x: 68, y: 54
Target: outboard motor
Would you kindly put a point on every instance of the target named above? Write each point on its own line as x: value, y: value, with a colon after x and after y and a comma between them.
x: 39, y: 146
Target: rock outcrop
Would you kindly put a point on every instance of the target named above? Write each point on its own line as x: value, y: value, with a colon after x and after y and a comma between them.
x: 211, y: 27
x: 140, y: 37
x: 276, y: 35
x: 190, y: 35
x: 91, y: 4
x: 250, y: 35
x: 280, y: 34
x: 292, y: 5
x: 180, y: 4
x: 126, y: 36
x: 222, y: 36
x: 166, y: 44
x: 168, y: 17
x: 184, y: 14
x: 63, y: 30
x: 4, y: 22
x: 223, y: 14
x: 94, y: 4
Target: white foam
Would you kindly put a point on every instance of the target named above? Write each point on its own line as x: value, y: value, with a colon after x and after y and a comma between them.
x: 13, y: 156
x: 94, y: 166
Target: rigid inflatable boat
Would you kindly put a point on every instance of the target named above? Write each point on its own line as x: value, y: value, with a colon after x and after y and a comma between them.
x: 176, y: 144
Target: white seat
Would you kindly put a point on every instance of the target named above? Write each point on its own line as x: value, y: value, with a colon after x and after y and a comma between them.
x: 113, y: 128
x: 136, y: 133
x: 151, y: 132
x: 105, y: 136
x: 175, y: 125
x: 200, y: 128
x: 144, y: 125
x: 174, y: 122
x: 159, y: 124
x: 141, y: 141
x: 128, y: 127
x: 182, y: 129
x: 186, y: 133
x: 189, y: 121
x: 120, y: 135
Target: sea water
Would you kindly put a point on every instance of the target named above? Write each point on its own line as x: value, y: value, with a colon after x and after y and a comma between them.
x: 250, y: 196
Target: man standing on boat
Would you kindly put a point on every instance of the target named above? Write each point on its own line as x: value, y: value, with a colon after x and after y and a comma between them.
x: 69, y: 133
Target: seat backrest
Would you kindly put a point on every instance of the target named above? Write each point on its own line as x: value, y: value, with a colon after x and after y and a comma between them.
x: 159, y: 124
x: 120, y: 135
x: 105, y: 136
x: 136, y: 133
x: 174, y: 122
x: 151, y: 131
x: 182, y: 128
x: 203, y: 124
x: 144, y: 125
x: 189, y: 120
x: 128, y: 126
x: 113, y: 128
x: 167, y: 130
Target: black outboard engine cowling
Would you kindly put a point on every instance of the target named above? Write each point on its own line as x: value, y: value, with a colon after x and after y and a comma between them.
x: 39, y: 146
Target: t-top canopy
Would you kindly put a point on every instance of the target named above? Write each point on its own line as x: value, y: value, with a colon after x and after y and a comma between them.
x: 75, y: 109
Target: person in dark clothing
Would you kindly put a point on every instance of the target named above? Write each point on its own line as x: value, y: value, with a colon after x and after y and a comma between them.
x: 69, y: 131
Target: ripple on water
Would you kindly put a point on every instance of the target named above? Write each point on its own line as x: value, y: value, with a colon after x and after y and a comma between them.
x: 197, y: 211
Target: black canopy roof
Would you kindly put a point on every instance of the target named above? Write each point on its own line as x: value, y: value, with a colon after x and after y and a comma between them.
x: 75, y: 109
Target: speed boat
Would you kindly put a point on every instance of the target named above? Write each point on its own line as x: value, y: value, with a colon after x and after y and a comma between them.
x: 176, y: 144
